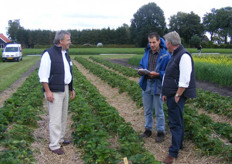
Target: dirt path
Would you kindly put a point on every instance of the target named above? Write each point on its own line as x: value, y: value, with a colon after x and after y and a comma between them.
x: 41, y: 134
x: 40, y: 148
x: 128, y: 110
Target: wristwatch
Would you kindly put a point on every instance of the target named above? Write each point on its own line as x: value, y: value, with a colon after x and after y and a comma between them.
x: 177, y: 95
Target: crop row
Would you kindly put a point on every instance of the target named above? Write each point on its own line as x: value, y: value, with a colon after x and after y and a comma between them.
x: 114, y: 80
x: 211, y: 102
x: 130, y: 72
x: 218, y: 74
x: 96, y: 123
x: 207, y: 69
x: 18, y: 118
x: 192, y: 119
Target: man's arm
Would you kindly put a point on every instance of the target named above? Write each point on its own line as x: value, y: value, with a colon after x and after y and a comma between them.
x: 44, y: 73
x: 185, y: 75
x: 48, y: 92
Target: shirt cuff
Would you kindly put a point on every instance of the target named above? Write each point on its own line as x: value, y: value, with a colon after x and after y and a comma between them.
x: 43, y: 80
x: 184, y: 85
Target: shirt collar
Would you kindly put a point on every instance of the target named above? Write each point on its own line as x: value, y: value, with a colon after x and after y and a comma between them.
x: 155, y: 53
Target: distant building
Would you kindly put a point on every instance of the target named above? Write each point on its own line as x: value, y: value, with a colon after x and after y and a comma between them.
x: 3, y: 41
x: 88, y: 44
x: 99, y: 44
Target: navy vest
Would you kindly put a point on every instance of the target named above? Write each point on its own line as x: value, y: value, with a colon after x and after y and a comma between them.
x: 172, y: 72
x: 56, y: 78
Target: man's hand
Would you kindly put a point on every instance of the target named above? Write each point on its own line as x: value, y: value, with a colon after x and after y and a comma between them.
x: 140, y: 73
x: 164, y: 98
x: 177, y: 99
x: 72, y: 94
x: 153, y: 74
x: 49, y: 96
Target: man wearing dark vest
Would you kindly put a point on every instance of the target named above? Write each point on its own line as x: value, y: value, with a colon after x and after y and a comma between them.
x: 178, y: 85
x: 55, y: 74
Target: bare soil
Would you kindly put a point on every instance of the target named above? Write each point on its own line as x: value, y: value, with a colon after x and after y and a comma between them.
x: 127, y: 109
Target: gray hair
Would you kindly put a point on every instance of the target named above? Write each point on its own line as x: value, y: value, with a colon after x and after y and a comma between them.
x: 173, y: 37
x: 60, y: 36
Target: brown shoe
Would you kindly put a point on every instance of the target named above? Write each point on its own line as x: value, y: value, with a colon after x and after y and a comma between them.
x: 169, y: 159
x: 66, y: 142
x: 58, y: 151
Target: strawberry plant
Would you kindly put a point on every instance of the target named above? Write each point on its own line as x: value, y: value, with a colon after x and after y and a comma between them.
x: 21, y: 112
x: 202, y: 137
x: 114, y: 80
x: 95, y: 115
x: 130, y: 72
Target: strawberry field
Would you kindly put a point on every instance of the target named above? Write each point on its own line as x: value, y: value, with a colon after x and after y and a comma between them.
x: 103, y: 132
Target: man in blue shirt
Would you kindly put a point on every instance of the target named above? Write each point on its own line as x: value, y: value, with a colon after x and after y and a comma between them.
x: 155, y: 60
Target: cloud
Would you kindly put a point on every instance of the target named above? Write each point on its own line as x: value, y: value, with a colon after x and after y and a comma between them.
x: 91, y: 16
x: 81, y: 14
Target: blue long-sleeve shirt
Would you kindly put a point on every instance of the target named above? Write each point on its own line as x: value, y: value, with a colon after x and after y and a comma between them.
x: 161, y: 64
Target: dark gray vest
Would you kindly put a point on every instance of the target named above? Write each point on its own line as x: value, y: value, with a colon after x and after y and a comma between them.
x: 56, y: 79
x: 172, y: 73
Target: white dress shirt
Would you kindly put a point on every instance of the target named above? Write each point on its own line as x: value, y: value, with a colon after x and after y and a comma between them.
x: 45, y: 67
x: 185, y: 66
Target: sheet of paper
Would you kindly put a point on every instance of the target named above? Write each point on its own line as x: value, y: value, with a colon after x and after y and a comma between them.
x: 145, y: 71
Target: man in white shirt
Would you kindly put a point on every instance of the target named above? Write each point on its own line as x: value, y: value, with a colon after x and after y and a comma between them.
x: 178, y: 85
x: 55, y: 74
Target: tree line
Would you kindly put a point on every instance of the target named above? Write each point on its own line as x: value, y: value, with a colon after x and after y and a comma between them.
x: 148, y: 18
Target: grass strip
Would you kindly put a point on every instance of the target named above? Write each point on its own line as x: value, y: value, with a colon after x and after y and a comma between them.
x: 11, y: 71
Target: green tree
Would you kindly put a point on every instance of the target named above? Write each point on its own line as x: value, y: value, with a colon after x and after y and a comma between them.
x: 13, y: 27
x: 123, y: 34
x: 224, y: 21
x: 219, y: 24
x: 75, y: 36
x: 187, y: 25
x: 195, y: 41
x: 210, y: 23
x: 149, y: 18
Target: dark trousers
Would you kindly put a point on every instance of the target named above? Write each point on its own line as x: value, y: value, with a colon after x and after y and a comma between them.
x: 176, y: 124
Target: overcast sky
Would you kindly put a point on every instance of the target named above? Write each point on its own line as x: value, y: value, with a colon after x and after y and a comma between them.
x: 92, y: 14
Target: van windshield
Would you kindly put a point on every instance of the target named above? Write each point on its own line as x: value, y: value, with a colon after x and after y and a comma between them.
x: 11, y: 49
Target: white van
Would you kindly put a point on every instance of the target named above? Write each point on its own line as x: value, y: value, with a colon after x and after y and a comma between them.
x: 12, y: 52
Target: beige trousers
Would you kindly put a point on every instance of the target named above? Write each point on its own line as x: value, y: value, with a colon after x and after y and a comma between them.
x: 58, y: 111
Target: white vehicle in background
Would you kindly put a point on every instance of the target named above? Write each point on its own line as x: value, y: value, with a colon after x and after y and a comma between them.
x: 12, y: 52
